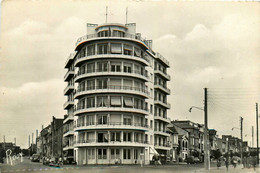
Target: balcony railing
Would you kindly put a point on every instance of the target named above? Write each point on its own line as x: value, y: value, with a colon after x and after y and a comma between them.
x: 112, y: 87
x: 159, y: 56
x: 111, y: 71
x: 107, y: 141
x: 168, y: 105
x: 164, y: 74
x: 112, y: 124
x: 162, y: 87
x: 161, y: 145
x: 125, y: 35
x: 70, y: 58
x: 142, y: 108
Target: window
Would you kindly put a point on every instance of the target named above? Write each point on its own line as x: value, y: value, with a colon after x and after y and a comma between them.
x: 128, y: 49
x: 102, y: 119
x: 135, y: 154
x: 115, y: 136
x: 115, y: 153
x: 102, y: 101
x: 90, y: 120
x: 127, y: 153
x: 82, y: 69
x: 118, y: 33
x: 115, y: 101
x: 82, y: 52
x: 127, y: 120
x: 127, y: 136
x: 91, y: 153
x: 127, y: 68
x: 102, y: 153
x: 90, y: 84
x: 90, y: 68
x: 91, y: 50
x: 151, y: 123
x: 90, y: 102
x: 102, y: 48
x: 137, y: 52
x: 128, y: 102
x: 102, y: 137
x: 151, y: 108
x: 105, y: 33
x: 116, y: 48
x: 115, y: 67
x: 102, y: 83
x: 102, y: 66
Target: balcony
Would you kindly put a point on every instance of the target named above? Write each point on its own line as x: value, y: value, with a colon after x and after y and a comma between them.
x: 162, y: 74
x: 89, y: 143
x: 68, y: 147
x: 80, y: 60
x: 162, y: 88
x: 69, y: 61
x: 126, y: 36
x: 69, y: 75
x: 113, y: 89
x: 69, y: 132
x: 165, y: 119
x: 108, y: 108
x: 68, y: 89
x: 158, y: 56
x: 68, y: 119
x: 162, y: 146
x: 68, y: 104
x: 108, y: 72
x: 161, y: 133
x: 164, y: 104
x: 112, y: 125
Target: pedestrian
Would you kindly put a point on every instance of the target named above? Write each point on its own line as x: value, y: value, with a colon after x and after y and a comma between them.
x: 227, y: 162
x: 218, y: 163
x: 254, y: 162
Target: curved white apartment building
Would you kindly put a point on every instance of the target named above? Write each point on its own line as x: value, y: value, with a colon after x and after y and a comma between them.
x: 117, y: 98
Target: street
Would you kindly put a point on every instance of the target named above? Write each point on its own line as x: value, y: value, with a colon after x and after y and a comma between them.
x: 28, y: 166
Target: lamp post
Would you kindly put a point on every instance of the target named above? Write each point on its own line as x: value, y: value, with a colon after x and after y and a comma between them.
x: 206, y: 137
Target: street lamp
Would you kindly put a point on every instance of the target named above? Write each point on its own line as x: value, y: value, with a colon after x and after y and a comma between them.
x: 206, y: 139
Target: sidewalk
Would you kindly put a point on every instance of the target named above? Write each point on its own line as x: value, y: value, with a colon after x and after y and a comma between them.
x: 231, y: 169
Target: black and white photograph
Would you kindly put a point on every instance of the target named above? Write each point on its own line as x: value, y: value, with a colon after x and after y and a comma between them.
x: 112, y: 86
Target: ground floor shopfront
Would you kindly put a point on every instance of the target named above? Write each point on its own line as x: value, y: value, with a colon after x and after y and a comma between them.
x: 111, y: 155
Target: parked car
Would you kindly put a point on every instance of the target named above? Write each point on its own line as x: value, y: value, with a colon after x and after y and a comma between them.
x: 54, y: 162
x: 190, y: 160
x: 69, y: 160
x: 36, y: 158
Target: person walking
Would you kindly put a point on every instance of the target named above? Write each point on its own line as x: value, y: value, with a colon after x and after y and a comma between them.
x: 227, y: 162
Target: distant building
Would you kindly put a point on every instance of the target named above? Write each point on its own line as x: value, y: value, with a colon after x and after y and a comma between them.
x: 173, y: 142
x: 50, y: 141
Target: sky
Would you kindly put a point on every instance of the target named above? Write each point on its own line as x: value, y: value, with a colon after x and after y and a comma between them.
x: 208, y: 44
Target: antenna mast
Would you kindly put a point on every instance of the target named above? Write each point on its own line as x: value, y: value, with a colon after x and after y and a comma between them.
x: 106, y: 13
x: 126, y: 14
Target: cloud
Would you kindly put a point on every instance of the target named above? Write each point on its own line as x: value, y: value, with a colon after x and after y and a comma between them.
x: 23, y: 109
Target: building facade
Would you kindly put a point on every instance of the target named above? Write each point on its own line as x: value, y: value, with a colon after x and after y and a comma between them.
x: 116, y: 98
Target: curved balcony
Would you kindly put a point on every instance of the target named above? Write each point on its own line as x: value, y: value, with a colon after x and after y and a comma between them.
x: 68, y: 119
x: 162, y: 74
x: 69, y: 132
x: 131, y: 37
x: 112, y: 125
x: 69, y: 61
x: 162, y: 59
x: 109, y: 108
x: 112, y: 89
x: 90, y: 143
x: 68, y: 104
x: 161, y: 103
x: 94, y: 73
x: 80, y: 60
x: 68, y: 147
x: 161, y: 133
x: 162, y: 88
x: 162, y: 146
x: 69, y: 75
x: 167, y: 120
x: 68, y: 89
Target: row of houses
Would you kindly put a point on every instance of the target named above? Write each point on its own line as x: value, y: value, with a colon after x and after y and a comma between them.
x: 185, y: 139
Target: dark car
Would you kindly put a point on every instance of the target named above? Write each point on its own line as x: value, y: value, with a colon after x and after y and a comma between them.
x: 69, y: 160
x: 190, y: 160
x: 36, y: 158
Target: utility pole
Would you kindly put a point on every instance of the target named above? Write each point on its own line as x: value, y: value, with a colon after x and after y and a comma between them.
x: 241, y: 128
x: 29, y: 146
x: 206, y: 141
x: 4, y: 142
x: 15, y: 141
x: 252, y: 136
x: 257, y: 134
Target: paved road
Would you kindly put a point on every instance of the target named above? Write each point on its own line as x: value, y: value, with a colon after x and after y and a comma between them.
x: 28, y: 166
